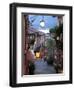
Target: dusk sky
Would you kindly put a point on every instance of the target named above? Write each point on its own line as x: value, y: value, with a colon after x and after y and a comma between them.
x: 50, y: 22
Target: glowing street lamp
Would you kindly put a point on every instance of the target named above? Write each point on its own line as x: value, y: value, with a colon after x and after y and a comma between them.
x: 58, y: 38
x: 37, y: 54
x: 42, y: 23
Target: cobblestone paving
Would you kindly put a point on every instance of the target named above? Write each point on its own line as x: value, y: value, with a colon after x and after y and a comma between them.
x: 41, y: 67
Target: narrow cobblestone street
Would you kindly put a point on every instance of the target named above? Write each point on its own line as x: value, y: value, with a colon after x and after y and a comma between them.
x: 41, y: 67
